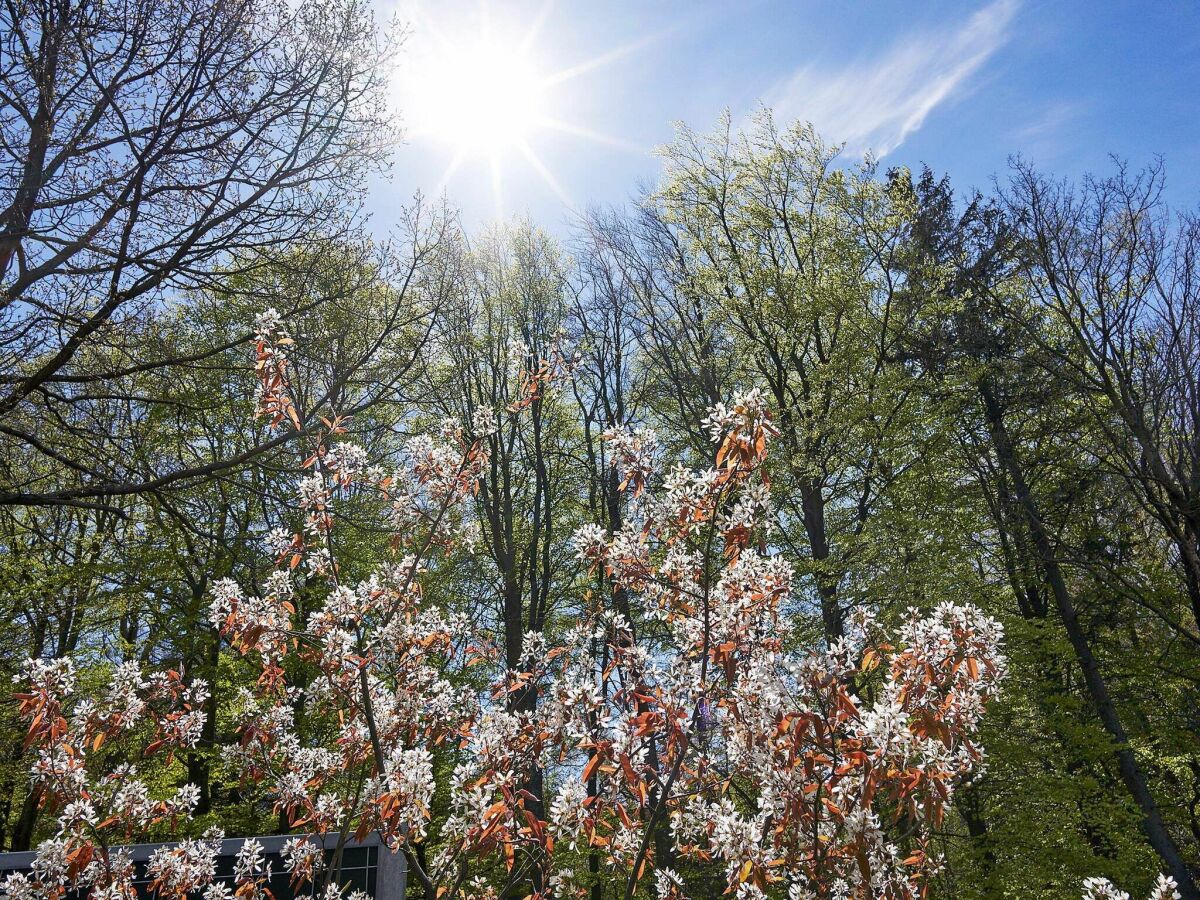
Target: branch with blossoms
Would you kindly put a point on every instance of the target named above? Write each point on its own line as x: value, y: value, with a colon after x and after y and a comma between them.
x: 380, y: 654
x: 389, y: 667
x: 86, y: 776
x: 770, y: 766
x: 1103, y: 889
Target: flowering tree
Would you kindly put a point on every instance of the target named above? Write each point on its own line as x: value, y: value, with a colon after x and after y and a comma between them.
x: 100, y: 804
x: 835, y: 778
x: 818, y: 774
x: 821, y: 772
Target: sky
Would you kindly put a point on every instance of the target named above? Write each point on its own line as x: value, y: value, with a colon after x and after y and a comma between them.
x: 538, y: 108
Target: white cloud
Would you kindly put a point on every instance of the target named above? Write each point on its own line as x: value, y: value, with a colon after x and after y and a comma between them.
x: 873, y: 105
x: 1044, y: 137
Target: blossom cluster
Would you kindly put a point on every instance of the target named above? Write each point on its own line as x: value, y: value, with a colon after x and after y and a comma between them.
x: 633, y: 452
x: 1103, y: 889
x: 273, y: 400
x: 98, y: 799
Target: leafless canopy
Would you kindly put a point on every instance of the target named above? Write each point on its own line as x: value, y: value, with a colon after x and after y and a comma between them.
x: 149, y: 149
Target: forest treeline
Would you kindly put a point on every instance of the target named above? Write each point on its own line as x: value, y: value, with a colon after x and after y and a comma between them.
x: 991, y: 398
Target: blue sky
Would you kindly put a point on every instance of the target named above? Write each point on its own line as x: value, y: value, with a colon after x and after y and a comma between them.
x: 960, y: 86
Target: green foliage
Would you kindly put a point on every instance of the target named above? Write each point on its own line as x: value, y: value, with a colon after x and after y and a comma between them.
x: 873, y: 310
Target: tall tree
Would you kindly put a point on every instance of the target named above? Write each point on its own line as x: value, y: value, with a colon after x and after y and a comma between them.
x: 978, y: 346
x: 497, y: 368
x: 1117, y: 280
x: 790, y: 256
x: 147, y: 149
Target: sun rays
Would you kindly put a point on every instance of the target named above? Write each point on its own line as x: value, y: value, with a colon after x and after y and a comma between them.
x: 481, y: 92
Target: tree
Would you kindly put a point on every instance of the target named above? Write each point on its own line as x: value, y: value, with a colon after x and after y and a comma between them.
x: 791, y: 260
x: 498, y: 351
x: 131, y: 582
x: 1118, y: 315
x: 150, y: 149
x: 979, y: 350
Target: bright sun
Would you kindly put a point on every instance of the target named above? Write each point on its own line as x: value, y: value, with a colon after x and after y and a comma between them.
x: 480, y: 98
x: 476, y: 91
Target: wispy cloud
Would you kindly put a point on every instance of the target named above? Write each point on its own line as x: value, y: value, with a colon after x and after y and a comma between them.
x: 874, y: 104
x: 1044, y: 137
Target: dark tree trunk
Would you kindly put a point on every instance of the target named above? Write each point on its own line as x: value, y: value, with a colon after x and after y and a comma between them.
x: 22, y: 838
x: 813, y: 505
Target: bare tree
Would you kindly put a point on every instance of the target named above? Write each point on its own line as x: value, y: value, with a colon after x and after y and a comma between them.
x: 149, y: 148
x: 1117, y: 281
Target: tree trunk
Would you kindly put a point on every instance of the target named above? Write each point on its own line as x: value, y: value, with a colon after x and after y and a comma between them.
x: 813, y: 505
x: 22, y: 838
x: 1189, y: 554
x: 523, y: 700
x: 664, y: 846
x: 968, y: 805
